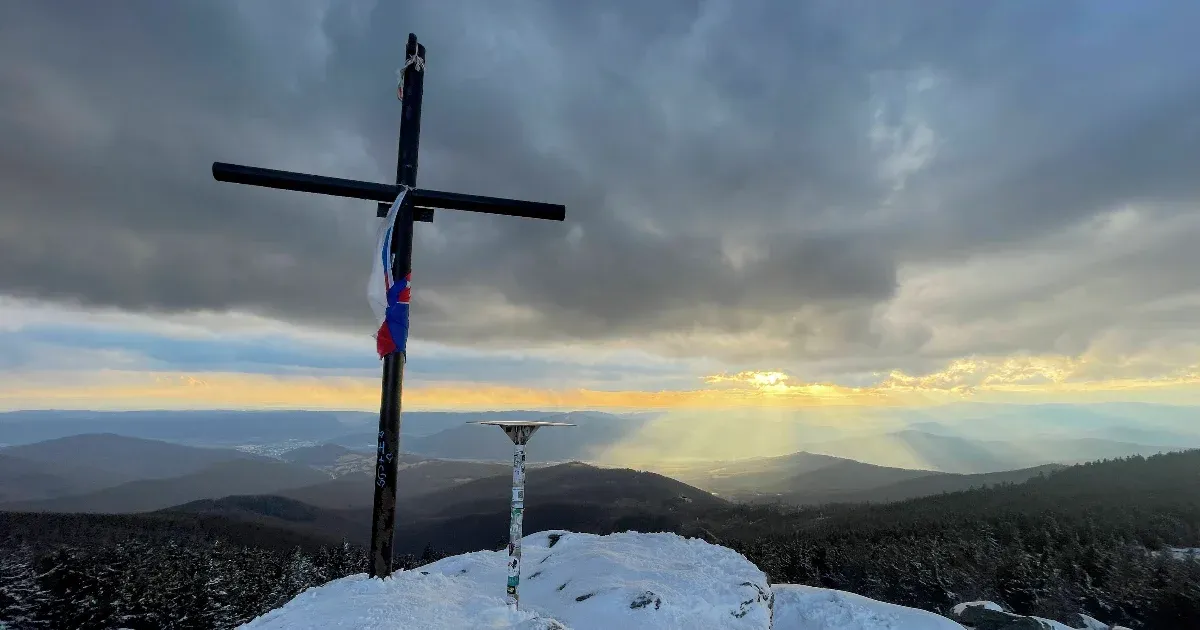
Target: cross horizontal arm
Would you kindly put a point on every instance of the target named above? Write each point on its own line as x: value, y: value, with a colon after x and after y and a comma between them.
x: 303, y: 182
x: 423, y: 198
x: 354, y: 189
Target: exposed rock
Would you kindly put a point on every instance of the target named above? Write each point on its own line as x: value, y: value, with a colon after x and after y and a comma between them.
x: 981, y: 618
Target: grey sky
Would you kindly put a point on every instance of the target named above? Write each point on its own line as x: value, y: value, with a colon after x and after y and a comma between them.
x: 746, y: 179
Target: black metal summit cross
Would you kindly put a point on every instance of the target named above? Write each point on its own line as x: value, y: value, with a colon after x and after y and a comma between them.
x: 418, y: 205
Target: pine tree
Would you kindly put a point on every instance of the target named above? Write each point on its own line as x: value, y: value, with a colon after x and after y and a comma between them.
x: 21, y: 594
x: 220, y: 586
x: 427, y: 554
x: 64, y: 574
x: 299, y: 573
x: 340, y: 561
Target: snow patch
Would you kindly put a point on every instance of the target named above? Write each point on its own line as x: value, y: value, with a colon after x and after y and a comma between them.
x: 1184, y: 553
x: 407, y: 600
x: 811, y: 608
x: 1053, y: 625
x: 958, y: 609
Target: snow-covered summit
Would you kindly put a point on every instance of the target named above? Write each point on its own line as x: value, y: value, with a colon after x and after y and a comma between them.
x: 584, y: 581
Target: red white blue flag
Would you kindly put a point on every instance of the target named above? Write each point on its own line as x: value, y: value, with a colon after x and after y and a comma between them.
x: 389, y: 296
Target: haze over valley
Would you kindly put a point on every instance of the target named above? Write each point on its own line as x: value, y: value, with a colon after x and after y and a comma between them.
x: 122, y: 465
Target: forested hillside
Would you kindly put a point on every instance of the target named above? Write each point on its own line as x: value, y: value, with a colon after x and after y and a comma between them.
x: 1084, y: 539
x: 152, y: 571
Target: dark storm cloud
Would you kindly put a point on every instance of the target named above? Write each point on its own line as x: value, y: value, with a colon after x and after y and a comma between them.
x: 674, y: 131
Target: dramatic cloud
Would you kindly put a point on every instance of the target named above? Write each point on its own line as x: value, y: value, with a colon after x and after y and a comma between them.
x: 835, y: 189
x: 68, y: 347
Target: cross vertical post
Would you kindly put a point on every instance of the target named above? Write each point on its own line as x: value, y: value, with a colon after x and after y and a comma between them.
x: 418, y: 206
x: 519, y: 432
x: 383, y: 511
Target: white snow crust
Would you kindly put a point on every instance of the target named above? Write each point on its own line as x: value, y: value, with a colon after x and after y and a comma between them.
x: 810, y: 608
x: 584, y: 581
x: 959, y: 608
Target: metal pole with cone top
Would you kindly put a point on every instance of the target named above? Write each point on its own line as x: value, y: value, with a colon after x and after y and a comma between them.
x: 519, y: 432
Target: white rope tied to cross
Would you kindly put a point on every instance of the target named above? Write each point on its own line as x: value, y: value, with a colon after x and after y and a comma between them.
x: 412, y: 60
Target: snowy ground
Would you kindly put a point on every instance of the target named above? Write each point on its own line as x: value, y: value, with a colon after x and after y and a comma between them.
x: 810, y: 608
x: 583, y: 581
x: 1184, y: 553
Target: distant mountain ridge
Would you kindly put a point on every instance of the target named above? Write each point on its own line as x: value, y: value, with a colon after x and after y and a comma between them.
x: 109, y: 473
x: 963, y: 438
x: 221, y: 479
x: 807, y: 478
x: 129, y: 457
x: 204, y: 427
x: 231, y: 427
x: 81, y: 464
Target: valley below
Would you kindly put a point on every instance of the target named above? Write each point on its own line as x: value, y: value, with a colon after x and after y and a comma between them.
x: 1053, y: 538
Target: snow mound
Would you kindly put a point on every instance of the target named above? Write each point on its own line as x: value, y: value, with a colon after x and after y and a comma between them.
x: 811, y: 608
x: 409, y: 600
x: 568, y: 581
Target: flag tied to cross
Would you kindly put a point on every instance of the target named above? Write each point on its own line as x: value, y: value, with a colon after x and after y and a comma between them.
x: 389, y: 296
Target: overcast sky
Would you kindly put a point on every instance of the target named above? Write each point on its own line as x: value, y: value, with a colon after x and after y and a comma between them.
x: 837, y: 190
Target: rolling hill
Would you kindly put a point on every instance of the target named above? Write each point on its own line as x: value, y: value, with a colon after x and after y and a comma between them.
x: 225, y: 478
x: 847, y: 477
x: 807, y: 478
x: 929, y: 485
x: 81, y: 464
x: 283, y: 514
x: 743, y: 477
x: 803, y: 471
x: 124, y: 457
x: 28, y: 480
x: 415, y: 476
x: 571, y: 483
x: 475, y: 514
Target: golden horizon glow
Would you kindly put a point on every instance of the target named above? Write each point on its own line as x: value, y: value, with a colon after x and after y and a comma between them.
x: 1012, y: 379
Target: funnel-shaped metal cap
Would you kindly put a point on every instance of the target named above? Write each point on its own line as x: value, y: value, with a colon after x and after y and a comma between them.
x: 519, y: 431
